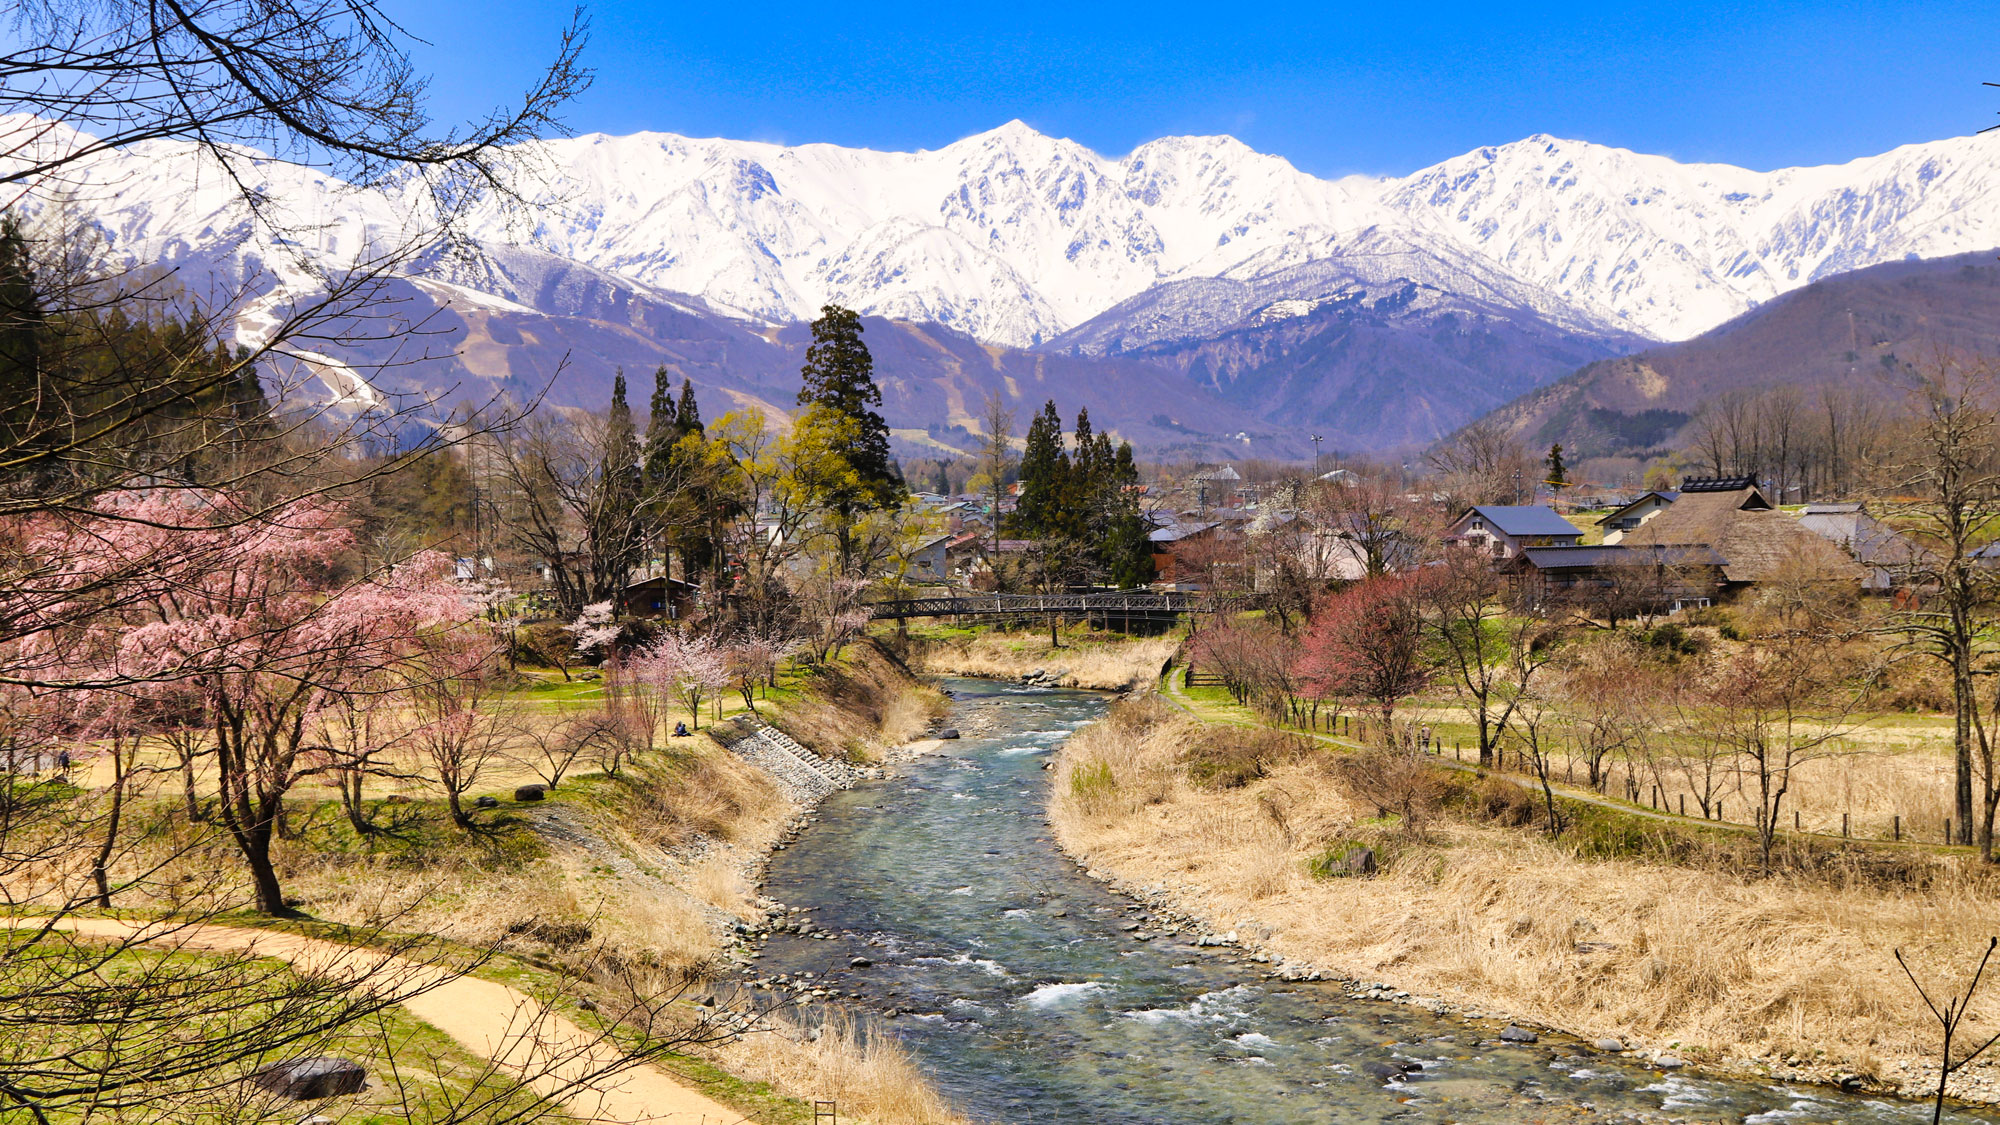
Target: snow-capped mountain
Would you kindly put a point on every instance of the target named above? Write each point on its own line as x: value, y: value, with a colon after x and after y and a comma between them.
x: 1196, y: 255
x: 1015, y: 237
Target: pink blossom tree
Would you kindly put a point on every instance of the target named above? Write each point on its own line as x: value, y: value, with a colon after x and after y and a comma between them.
x: 256, y: 616
x: 685, y: 668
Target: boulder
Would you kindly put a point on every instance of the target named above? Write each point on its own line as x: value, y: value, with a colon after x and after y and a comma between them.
x: 1670, y: 1062
x: 487, y: 802
x: 860, y: 963
x: 312, y: 1079
x: 1609, y: 1045
x: 948, y: 732
x: 530, y: 793
x: 1516, y: 1034
x: 1387, y: 1072
x: 1360, y: 861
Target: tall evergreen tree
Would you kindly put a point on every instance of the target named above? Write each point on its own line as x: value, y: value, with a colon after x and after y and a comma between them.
x: 22, y: 325
x: 839, y: 376
x: 616, y: 530
x: 1128, y: 547
x: 1044, y: 477
x: 688, y: 415
x: 661, y: 418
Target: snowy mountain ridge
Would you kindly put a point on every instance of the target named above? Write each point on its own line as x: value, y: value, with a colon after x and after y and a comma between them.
x: 1015, y: 237
x: 1018, y: 238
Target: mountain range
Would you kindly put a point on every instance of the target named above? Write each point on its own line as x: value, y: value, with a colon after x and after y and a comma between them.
x: 1208, y: 299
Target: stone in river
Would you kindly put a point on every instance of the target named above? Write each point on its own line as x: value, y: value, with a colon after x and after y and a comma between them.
x: 1514, y: 1034
x: 860, y: 963
x: 948, y: 732
x: 1609, y: 1045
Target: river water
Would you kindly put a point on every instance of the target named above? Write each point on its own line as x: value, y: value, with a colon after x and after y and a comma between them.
x: 1019, y: 986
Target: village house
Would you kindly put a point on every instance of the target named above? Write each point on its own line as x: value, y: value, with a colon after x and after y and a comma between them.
x: 1629, y: 516
x: 1620, y: 580
x: 1883, y: 551
x: 1732, y: 516
x: 1504, y: 530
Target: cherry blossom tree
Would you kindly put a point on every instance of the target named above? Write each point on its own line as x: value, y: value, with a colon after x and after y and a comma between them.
x: 256, y: 616
x: 685, y: 668
x: 753, y: 660
x: 460, y: 730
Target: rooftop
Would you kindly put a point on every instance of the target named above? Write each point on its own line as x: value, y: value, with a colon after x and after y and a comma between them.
x: 1524, y: 519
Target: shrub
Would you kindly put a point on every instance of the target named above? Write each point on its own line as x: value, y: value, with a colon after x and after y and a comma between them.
x: 1092, y: 783
x: 1672, y: 640
x: 1395, y: 781
x: 1227, y: 758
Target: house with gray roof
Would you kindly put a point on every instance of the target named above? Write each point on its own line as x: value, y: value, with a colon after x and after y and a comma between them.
x: 1882, y: 550
x: 1505, y: 530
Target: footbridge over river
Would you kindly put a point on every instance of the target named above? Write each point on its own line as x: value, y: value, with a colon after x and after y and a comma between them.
x: 1114, y: 605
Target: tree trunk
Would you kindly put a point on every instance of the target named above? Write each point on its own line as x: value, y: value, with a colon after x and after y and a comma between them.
x: 194, y: 812
x: 350, y: 802
x: 1963, y: 701
x: 99, y: 868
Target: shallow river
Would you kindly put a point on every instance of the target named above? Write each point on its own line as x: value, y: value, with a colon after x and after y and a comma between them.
x: 1027, y: 1000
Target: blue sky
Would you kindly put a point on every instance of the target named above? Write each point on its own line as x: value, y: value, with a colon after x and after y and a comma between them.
x: 1381, y: 88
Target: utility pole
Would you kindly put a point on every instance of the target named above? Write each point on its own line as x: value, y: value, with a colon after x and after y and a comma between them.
x: 1316, y: 439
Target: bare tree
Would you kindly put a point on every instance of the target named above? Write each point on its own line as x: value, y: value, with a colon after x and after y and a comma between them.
x: 1952, y: 468
x: 1492, y: 646
x: 1779, y: 708
x: 1951, y: 1019
x: 996, y: 454
x: 1483, y: 464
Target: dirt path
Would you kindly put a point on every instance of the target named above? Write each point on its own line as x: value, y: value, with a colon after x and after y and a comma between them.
x: 489, y: 1019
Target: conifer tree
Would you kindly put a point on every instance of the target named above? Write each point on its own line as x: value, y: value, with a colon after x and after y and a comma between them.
x: 688, y: 416
x: 617, y: 527
x: 839, y: 376
x: 1045, y: 471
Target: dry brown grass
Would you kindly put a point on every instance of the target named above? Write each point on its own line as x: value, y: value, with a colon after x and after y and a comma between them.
x: 1107, y: 663
x: 1500, y: 918
x: 870, y: 1076
x: 862, y: 707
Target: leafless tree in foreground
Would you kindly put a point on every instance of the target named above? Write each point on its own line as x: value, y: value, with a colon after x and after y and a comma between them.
x: 1950, y: 1019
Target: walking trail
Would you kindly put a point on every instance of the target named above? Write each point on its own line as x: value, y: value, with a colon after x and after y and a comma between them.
x: 491, y: 1020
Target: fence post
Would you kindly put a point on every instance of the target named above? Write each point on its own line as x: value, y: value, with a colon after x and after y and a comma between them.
x: 1947, y: 831
x: 1797, y: 824
x: 1896, y: 827
x: 1843, y: 826
x: 1684, y: 804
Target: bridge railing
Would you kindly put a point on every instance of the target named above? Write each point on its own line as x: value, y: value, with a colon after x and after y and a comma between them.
x: 1026, y: 605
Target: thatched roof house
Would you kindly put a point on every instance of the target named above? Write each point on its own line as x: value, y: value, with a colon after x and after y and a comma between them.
x: 1733, y: 516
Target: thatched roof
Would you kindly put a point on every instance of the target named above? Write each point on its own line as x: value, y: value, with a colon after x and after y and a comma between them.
x: 1754, y: 538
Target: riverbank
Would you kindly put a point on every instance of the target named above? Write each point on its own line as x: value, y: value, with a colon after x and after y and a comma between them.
x: 655, y: 863
x: 1782, y: 977
x: 1094, y: 661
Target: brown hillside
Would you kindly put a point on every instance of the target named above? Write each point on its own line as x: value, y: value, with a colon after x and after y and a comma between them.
x: 1854, y: 330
